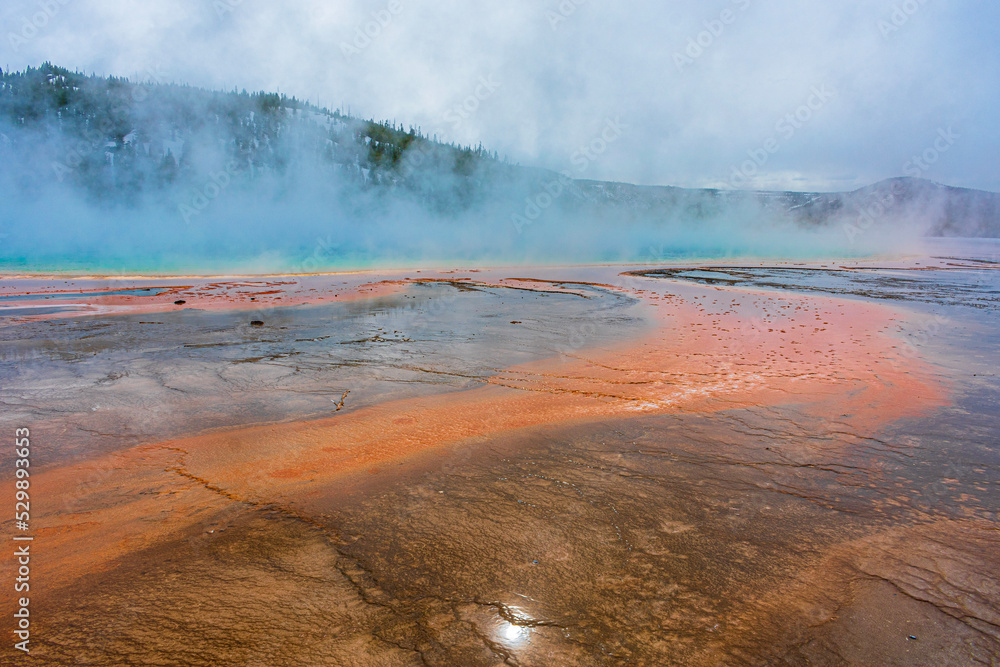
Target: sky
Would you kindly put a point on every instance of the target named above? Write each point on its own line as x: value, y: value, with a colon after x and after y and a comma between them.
x: 725, y: 93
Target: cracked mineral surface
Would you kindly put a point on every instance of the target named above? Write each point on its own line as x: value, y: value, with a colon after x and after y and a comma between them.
x: 697, y: 465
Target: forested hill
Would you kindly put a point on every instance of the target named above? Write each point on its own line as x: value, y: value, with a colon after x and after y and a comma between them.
x: 106, y: 172
x: 119, y: 138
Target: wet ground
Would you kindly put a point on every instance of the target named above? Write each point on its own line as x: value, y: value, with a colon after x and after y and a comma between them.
x: 105, y: 383
x: 708, y: 465
x: 960, y: 282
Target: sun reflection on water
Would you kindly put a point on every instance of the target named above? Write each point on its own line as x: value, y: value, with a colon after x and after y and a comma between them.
x: 512, y: 632
x: 513, y: 628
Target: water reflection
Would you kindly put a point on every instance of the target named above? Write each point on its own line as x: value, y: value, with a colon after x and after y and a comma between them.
x: 512, y: 632
x: 513, y: 627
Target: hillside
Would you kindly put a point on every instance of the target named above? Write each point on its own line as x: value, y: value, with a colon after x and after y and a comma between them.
x: 120, y: 139
x: 943, y: 210
x: 108, y: 171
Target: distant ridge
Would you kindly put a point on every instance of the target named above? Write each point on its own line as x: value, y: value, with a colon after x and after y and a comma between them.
x: 128, y: 144
x: 947, y: 210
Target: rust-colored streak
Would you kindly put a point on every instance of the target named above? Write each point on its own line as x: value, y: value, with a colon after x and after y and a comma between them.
x: 832, y: 357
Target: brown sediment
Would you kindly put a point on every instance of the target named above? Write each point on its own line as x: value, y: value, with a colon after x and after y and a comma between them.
x: 832, y: 358
x: 844, y: 368
x: 728, y: 487
x: 921, y: 594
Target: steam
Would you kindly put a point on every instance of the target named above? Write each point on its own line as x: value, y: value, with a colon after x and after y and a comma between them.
x: 170, y: 185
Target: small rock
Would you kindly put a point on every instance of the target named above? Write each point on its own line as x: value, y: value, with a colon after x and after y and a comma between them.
x: 256, y: 323
x: 180, y: 302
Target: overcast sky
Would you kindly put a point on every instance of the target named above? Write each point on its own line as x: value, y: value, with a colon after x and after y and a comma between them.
x: 775, y: 94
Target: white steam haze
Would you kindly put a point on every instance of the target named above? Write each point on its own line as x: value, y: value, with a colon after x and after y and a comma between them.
x: 729, y: 94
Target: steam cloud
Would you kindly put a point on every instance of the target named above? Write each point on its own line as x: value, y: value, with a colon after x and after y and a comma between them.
x: 108, y: 175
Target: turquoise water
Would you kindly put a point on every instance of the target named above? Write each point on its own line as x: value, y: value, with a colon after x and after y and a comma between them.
x: 245, y: 236
x: 150, y: 263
